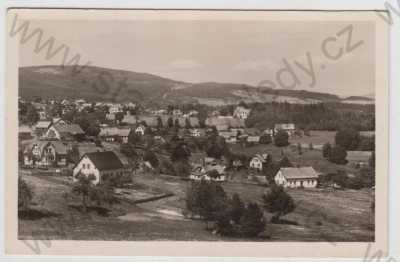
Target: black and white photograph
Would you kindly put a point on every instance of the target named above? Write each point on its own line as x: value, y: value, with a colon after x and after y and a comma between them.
x: 199, y: 126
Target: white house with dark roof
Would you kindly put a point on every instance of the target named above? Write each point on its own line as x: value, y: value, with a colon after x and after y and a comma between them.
x: 100, y: 165
x: 297, y: 177
x: 140, y: 129
x: 241, y: 112
x: 258, y: 161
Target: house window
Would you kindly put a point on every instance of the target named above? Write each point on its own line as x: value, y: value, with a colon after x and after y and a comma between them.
x: 84, y: 166
x: 88, y: 166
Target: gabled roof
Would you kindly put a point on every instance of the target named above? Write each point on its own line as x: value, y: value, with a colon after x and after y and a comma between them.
x: 261, y: 157
x: 60, y: 147
x: 72, y: 129
x: 242, y: 109
x: 219, y: 168
x: 285, y: 126
x: 106, y: 160
x: 84, y: 148
x: 114, y: 131
x: 298, y: 172
x: 43, y: 124
x: 40, y: 144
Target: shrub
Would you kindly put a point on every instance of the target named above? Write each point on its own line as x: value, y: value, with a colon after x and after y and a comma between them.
x: 206, y: 199
x: 151, y: 158
x: 265, y: 139
x: 279, y: 202
x: 348, y: 139
x: 252, y: 222
x: 236, y: 208
x: 25, y: 194
x: 338, y: 155
x: 326, y: 150
x: 281, y: 138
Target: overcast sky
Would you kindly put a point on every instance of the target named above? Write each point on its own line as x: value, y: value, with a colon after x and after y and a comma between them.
x: 221, y: 51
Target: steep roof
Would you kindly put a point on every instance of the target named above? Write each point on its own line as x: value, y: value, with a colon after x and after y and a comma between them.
x: 60, y: 147
x: 85, y: 148
x: 39, y: 143
x: 43, y: 124
x: 24, y: 129
x: 106, y: 160
x: 298, y: 172
x: 262, y: 157
x: 73, y: 129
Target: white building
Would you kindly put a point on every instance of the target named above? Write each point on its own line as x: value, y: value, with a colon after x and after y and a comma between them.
x: 241, y: 112
x: 100, y: 165
x: 114, y: 108
x: 258, y: 161
x: 195, y: 132
x: 297, y: 177
x: 140, y: 130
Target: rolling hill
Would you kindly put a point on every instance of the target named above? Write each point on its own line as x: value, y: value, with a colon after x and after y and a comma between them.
x: 103, y: 84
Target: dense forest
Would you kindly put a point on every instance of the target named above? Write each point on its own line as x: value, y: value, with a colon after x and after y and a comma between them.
x: 321, y: 116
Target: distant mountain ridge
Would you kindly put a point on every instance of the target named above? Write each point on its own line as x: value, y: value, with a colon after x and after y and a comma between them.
x: 104, y: 84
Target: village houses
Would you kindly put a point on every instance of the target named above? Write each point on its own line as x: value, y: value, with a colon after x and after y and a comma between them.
x: 46, y: 153
x: 296, y: 177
